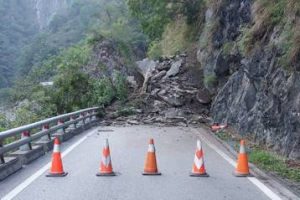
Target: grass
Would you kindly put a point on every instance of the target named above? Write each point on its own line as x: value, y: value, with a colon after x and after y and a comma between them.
x: 271, y: 162
x: 227, y: 47
x: 154, y: 50
x: 264, y: 159
x: 210, y: 79
x: 177, y: 37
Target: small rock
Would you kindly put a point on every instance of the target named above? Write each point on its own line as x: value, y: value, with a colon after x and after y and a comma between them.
x: 133, y: 122
x: 155, y: 91
x: 181, y: 124
x: 162, y: 92
x: 174, y: 70
x: 121, y: 119
x: 203, y: 96
x: 173, y: 101
x: 163, y: 66
x: 145, y: 65
x: 131, y: 80
x: 183, y: 55
x: 138, y: 110
x: 157, y: 104
x: 173, y: 113
x: 159, y: 75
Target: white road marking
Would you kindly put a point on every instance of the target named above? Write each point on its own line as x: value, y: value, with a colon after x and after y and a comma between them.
x: 253, y: 180
x: 36, y: 175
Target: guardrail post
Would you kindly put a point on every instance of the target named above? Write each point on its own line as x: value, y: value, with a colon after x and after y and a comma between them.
x: 94, y: 117
x: 88, y: 119
x: 29, y: 144
x: 81, y: 123
x: 73, y: 126
x: 46, y: 137
x: 2, y: 161
x: 25, y: 147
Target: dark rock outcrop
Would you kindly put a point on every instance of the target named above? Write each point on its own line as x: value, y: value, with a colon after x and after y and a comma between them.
x: 255, y: 93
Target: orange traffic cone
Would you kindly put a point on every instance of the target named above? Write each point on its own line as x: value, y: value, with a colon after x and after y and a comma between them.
x: 57, y: 169
x: 198, y: 169
x: 150, y: 164
x: 242, y: 169
x: 106, y: 165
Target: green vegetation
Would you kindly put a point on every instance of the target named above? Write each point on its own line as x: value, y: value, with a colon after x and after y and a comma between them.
x: 264, y: 159
x: 63, y: 53
x: 154, y: 15
x: 104, y: 91
x: 227, y: 47
x: 268, y: 14
x: 171, y: 26
x: 177, y: 37
x: 244, y: 41
x: 270, y: 162
x: 210, y: 79
x: 120, y: 85
x: 17, y: 30
x: 154, y: 50
x: 68, y: 27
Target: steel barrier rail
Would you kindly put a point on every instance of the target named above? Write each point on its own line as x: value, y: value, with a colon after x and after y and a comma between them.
x: 17, y: 131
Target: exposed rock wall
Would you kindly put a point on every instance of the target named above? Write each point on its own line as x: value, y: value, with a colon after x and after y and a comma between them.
x: 46, y: 9
x: 253, y: 92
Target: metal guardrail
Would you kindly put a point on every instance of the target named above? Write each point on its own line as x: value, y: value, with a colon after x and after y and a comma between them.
x: 76, y: 116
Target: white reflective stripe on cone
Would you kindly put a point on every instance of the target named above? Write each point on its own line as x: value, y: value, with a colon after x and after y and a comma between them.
x: 106, y: 145
x: 199, y: 145
x: 56, y: 149
x: 151, y: 148
x: 242, y: 149
x: 198, y: 161
x: 106, y: 161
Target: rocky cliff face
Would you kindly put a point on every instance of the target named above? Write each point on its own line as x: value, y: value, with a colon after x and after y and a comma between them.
x: 256, y: 91
x: 46, y: 9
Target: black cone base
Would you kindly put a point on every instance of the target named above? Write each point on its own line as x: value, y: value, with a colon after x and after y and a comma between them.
x: 242, y: 175
x: 198, y: 175
x: 57, y: 175
x: 151, y: 174
x: 106, y: 174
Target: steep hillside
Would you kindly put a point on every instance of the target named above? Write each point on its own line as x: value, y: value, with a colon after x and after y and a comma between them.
x: 18, y: 26
x: 252, y: 50
x: 86, y: 54
x: 249, y: 53
x: 21, y: 21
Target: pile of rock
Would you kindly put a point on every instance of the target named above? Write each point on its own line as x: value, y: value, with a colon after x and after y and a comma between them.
x: 169, y: 95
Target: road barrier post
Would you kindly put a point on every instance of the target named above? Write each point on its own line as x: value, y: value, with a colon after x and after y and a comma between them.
x: 2, y: 161
x: 25, y: 147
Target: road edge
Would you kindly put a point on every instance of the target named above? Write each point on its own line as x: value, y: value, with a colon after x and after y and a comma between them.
x: 278, y: 187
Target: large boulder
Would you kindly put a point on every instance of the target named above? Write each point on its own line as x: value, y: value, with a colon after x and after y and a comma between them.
x: 175, y: 68
x: 145, y: 65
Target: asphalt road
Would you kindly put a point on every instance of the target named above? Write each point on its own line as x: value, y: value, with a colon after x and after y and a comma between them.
x: 175, y: 148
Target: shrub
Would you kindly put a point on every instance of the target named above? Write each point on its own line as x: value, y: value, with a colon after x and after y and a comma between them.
x: 120, y: 85
x: 5, y: 93
x: 177, y: 37
x: 103, y: 91
x: 154, y: 50
x: 227, y: 47
x: 210, y: 80
x: 268, y: 14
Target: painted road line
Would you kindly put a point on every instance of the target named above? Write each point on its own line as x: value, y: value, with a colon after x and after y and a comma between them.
x: 36, y: 175
x: 253, y: 180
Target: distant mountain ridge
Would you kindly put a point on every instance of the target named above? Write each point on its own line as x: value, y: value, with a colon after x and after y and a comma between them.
x: 20, y: 22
